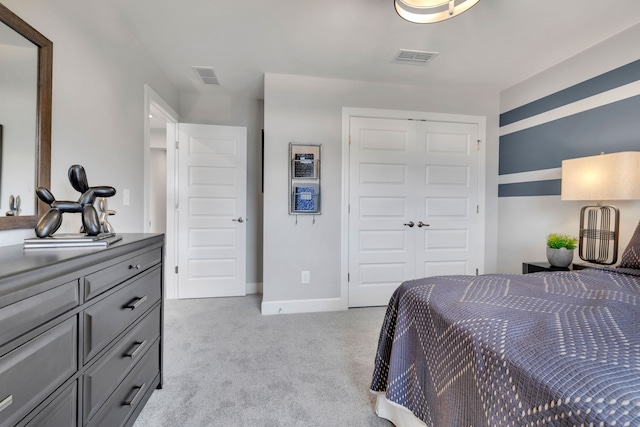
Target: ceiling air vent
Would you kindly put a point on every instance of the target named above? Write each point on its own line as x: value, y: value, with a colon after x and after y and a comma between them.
x: 414, y: 57
x: 206, y: 75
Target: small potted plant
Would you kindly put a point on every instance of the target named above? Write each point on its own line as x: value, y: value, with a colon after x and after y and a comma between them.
x: 560, y: 249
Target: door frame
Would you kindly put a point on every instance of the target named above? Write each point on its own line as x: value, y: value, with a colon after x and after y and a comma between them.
x: 170, y: 246
x: 347, y: 113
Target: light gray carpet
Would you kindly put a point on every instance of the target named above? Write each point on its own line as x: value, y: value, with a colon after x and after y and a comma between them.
x: 227, y: 365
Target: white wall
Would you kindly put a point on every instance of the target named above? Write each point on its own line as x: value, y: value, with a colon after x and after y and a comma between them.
x: 309, y: 110
x: 524, y: 222
x: 215, y: 106
x: 99, y: 72
x: 158, y: 180
x: 18, y: 86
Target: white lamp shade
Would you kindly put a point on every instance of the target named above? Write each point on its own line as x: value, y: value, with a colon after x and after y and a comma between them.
x: 614, y: 176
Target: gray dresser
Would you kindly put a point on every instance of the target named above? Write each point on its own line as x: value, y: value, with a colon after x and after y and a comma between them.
x: 80, y: 333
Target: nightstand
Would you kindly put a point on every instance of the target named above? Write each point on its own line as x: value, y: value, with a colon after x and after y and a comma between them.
x: 534, y: 267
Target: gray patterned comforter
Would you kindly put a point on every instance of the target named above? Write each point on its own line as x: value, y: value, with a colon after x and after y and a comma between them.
x: 544, y: 349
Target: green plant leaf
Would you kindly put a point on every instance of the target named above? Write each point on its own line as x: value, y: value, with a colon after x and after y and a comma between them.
x: 557, y: 241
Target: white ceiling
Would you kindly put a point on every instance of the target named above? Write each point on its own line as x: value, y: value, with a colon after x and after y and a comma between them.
x: 495, y: 44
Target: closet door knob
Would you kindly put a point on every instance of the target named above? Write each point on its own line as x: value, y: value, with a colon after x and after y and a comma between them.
x: 422, y: 224
x: 409, y: 224
x: 239, y: 219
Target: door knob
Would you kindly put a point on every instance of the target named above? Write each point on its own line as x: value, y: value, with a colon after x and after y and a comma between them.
x: 409, y: 224
x: 239, y: 219
x: 422, y: 224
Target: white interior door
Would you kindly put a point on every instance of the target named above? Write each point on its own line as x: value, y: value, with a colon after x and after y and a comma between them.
x: 381, y: 246
x: 212, y: 186
x: 447, y: 199
x: 413, y: 194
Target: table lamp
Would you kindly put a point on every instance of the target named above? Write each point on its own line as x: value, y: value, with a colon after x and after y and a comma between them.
x: 614, y: 176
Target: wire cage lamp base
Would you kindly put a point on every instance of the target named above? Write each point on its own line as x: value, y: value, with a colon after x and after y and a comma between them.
x: 599, y: 232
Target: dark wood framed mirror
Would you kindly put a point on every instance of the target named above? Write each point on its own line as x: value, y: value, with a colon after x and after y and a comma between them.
x: 42, y: 119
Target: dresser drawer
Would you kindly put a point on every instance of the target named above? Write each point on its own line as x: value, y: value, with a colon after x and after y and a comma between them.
x: 130, y: 393
x: 102, y: 280
x: 104, y: 320
x: 34, y: 311
x: 62, y: 412
x: 34, y: 370
x: 105, y: 375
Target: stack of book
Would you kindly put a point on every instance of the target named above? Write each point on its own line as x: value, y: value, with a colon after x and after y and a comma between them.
x: 72, y: 241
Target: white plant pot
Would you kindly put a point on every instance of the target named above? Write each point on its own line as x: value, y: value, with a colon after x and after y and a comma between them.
x: 560, y: 257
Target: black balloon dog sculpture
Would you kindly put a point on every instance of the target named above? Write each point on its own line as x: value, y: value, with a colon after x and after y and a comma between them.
x: 51, y: 221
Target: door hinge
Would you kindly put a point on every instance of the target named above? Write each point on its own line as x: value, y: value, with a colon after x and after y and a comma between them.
x: 177, y: 144
x: 349, y: 208
x: 476, y: 271
x: 478, y: 145
x: 349, y: 139
x: 477, y: 208
x: 176, y: 269
x: 348, y: 277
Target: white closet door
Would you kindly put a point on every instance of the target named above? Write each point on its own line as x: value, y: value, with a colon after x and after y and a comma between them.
x: 447, y: 199
x: 413, y: 194
x: 212, y: 208
x: 382, y: 189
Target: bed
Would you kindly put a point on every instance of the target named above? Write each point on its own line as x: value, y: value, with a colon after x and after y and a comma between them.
x: 558, y: 348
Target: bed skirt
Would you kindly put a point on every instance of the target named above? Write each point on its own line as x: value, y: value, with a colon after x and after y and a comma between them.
x: 398, y: 415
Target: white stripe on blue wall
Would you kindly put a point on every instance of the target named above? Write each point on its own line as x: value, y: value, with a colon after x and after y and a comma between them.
x: 595, y: 101
x: 541, y: 175
x: 601, y: 114
x: 599, y: 84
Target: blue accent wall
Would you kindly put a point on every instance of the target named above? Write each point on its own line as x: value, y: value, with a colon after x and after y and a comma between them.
x: 613, y: 127
x: 608, y: 128
x: 602, y: 83
x: 534, y: 188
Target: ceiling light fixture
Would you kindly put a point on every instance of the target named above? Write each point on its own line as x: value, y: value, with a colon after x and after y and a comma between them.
x: 430, y: 11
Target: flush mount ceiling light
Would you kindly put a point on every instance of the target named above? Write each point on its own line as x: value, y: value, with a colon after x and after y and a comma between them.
x: 430, y: 11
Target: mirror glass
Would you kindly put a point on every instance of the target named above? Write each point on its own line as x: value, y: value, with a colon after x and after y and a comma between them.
x: 26, y: 59
x: 18, y: 112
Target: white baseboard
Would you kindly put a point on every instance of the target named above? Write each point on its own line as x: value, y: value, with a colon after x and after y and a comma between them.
x: 301, y: 306
x: 254, y: 288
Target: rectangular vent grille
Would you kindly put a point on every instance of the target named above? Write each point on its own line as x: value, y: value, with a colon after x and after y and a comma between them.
x: 206, y: 75
x: 414, y: 57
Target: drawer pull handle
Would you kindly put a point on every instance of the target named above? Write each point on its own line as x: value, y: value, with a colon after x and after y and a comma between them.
x: 134, y: 396
x: 6, y: 403
x: 134, y: 267
x: 137, y: 303
x: 138, y: 346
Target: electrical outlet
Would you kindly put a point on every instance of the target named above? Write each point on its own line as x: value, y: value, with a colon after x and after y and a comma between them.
x: 305, y: 277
